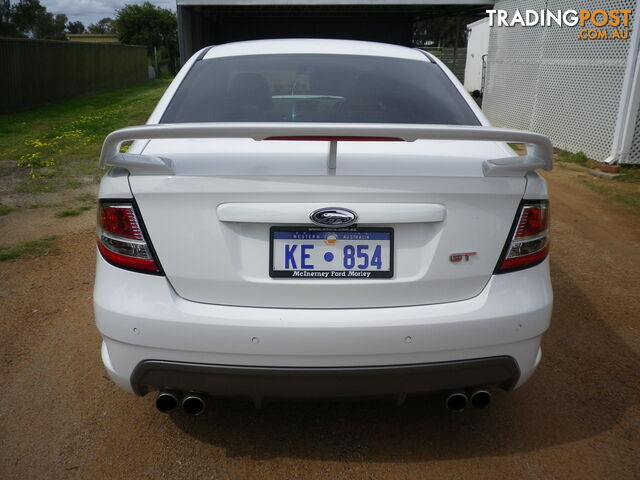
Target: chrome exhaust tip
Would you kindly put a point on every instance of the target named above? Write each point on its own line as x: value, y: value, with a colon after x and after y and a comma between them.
x: 167, y: 401
x: 456, y: 401
x: 480, y: 398
x: 193, y: 404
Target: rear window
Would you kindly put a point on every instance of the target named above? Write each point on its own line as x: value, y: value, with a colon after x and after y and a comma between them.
x: 317, y: 88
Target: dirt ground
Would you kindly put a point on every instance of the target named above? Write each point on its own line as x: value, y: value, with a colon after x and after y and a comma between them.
x: 579, y: 416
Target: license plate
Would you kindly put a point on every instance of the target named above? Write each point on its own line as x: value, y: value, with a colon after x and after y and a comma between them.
x: 357, y: 253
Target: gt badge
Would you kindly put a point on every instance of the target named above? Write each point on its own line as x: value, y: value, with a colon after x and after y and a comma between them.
x: 458, y: 257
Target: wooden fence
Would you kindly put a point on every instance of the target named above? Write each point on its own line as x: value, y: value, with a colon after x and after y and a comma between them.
x: 37, y: 72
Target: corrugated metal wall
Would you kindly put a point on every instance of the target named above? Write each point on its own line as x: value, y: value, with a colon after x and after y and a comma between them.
x: 36, y: 72
x: 550, y: 81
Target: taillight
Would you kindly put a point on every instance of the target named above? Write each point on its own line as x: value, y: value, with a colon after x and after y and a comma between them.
x: 121, y: 240
x: 529, y: 243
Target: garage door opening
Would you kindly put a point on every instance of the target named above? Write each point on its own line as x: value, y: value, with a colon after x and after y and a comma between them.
x: 213, y: 22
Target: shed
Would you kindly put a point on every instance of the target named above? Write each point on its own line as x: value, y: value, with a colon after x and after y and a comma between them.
x: 212, y: 22
x: 93, y: 37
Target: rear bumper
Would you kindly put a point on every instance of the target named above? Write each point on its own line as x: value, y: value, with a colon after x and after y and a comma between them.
x: 141, y: 319
x: 303, y: 383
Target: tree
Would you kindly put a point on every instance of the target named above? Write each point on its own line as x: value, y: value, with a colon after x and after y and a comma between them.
x: 29, y: 18
x: 26, y: 15
x: 7, y: 26
x: 5, y: 11
x: 104, y: 25
x: 148, y: 25
x: 51, y: 27
x: 75, y: 27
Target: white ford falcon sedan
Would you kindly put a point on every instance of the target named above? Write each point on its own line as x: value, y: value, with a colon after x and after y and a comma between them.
x: 321, y: 218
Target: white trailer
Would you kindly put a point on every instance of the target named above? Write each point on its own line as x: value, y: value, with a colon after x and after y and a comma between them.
x: 477, y: 50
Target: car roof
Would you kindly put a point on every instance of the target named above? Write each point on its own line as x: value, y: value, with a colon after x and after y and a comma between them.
x: 314, y: 46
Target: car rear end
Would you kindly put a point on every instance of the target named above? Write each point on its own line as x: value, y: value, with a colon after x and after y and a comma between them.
x: 320, y: 219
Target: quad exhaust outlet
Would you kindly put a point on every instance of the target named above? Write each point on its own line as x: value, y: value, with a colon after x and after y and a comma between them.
x: 458, y: 400
x: 169, y: 401
x: 480, y: 398
x: 193, y: 404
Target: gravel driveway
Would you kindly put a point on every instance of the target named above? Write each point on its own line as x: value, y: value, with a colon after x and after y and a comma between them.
x: 579, y: 417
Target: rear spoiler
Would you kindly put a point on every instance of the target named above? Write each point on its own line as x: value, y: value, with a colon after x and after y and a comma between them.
x: 539, y: 148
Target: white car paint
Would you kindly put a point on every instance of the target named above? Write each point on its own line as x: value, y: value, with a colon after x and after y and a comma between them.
x: 508, y: 317
x: 209, y: 204
x: 310, y: 46
x: 240, y: 275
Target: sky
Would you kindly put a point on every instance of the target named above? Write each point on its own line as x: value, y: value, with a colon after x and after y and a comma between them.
x: 90, y: 11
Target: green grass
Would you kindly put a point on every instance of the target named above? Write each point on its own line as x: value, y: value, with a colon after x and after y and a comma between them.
x: 69, y: 212
x: 73, y: 212
x: 629, y: 174
x: 4, y: 209
x: 519, y: 148
x: 44, y: 246
x: 627, y: 195
x: 623, y: 189
x: 57, y: 147
x: 578, y: 158
x: 86, y: 198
